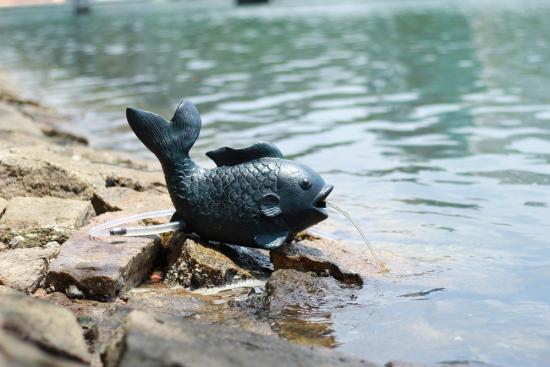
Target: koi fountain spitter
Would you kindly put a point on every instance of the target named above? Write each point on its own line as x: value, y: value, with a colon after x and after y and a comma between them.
x: 254, y: 197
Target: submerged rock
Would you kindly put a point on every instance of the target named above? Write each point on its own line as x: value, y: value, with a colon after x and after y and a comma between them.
x: 102, y: 268
x: 167, y: 301
x: 155, y: 340
x: 194, y: 264
x: 289, y: 289
x: 300, y: 305
x: 299, y: 256
x: 24, y: 268
x: 34, y: 332
x: 32, y: 221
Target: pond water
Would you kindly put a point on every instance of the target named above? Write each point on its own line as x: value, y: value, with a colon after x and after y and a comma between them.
x: 431, y: 118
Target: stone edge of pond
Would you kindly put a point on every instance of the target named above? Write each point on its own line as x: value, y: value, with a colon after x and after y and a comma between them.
x: 52, y: 187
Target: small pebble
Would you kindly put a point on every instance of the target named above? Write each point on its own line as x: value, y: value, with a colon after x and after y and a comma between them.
x: 156, y: 276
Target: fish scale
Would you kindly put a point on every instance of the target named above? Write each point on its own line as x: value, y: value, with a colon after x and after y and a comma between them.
x: 219, y: 187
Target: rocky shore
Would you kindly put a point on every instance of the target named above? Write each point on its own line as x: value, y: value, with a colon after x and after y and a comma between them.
x: 68, y: 300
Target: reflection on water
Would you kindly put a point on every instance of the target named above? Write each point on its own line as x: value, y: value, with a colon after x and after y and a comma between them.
x: 430, y: 118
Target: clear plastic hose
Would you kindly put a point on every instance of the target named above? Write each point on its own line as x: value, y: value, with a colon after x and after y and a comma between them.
x: 113, y: 228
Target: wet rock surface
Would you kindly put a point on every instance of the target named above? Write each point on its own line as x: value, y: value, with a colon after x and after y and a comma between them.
x: 31, y: 221
x: 155, y: 340
x: 34, y: 332
x: 356, y: 259
x: 289, y: 289
x: 167, y: 301
x: 23, y: 269
x: 195, y: 264
x: 300, y: 256
x: 102, y: 268
x: 300, y: 305
x: 86, y: 311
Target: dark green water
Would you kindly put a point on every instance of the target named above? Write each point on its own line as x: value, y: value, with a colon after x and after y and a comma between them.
x: 432, y: 119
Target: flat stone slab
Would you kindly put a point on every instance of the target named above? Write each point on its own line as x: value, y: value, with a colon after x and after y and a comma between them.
x: 299, y: 256
x: 102, y: 268
x: 154, y: 340
x: 13, y: 120
x: 193, y: 264
x: 109, y: 199
x: 24, y: 269
x: 35, y: 221
x: 44, y: 169
x: 70, y: 172
x: 34, y: 332
x: 23, y: 175
x: 4, y: 289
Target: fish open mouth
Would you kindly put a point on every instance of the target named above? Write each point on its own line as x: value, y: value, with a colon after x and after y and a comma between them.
x: 320, y: 200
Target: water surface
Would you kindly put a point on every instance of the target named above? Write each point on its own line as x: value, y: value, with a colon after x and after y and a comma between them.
x: 432, y: 119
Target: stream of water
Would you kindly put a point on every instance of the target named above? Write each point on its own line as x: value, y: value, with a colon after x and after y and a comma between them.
x: 430, y: 118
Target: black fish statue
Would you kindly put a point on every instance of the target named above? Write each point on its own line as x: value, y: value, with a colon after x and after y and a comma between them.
x: 254, y: 197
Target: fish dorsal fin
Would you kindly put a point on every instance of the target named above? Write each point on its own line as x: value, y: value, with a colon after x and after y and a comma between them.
x: 231, y: 157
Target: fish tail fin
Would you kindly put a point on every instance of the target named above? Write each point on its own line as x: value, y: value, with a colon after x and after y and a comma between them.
x: 169, y: 141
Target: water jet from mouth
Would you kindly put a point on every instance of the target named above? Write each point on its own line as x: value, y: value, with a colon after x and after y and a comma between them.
x: 382, y: 267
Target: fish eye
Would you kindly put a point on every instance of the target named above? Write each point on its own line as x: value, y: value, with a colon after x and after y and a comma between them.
x: 305, y: 184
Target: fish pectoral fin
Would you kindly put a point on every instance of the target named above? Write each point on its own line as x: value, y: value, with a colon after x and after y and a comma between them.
x: 269, y: 205
x: 231, y: 157
x: 271, y: 241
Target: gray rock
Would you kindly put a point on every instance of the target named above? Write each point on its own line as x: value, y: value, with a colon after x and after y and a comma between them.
x: 71, y: 172
x: 167, y: 301
x: 109, y: 199
x: 17, y: 353
x: 356, y: 259
x: 298, y: 256
x: 101, y: 268
x: 56, y: 127
x: 7, y: 290
x: 159, y: 341
x: 31, y: 221
x: 24, y: 268
x: 13, y: 120
x: 194, y: 264
x: 289, y: 290
x: 22, y: 175
x: 300, y: 305
x: 33, y: 331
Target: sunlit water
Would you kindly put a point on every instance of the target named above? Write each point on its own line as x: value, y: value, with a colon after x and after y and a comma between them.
x: 430, y: 118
